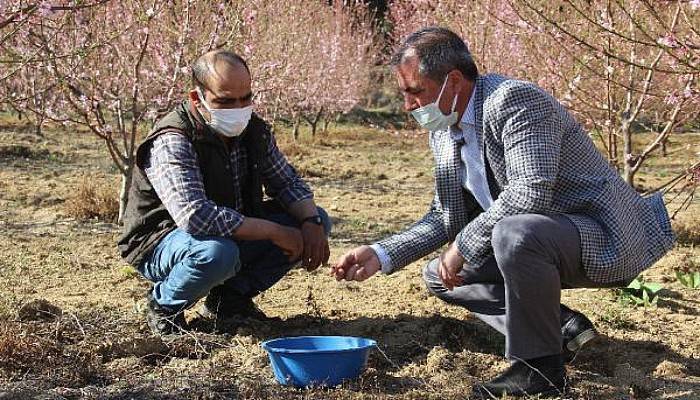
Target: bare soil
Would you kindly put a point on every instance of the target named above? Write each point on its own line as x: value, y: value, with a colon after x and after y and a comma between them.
x: 71, y: 320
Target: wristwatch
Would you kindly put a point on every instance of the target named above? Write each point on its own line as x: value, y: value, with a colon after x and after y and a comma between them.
x: 315, y: 219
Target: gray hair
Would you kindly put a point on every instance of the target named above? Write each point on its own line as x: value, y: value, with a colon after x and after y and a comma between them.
x: 439, y: 51
x: 205, y: 66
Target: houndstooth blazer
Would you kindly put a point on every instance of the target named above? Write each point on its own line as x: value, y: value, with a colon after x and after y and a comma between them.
x: 539, y: 160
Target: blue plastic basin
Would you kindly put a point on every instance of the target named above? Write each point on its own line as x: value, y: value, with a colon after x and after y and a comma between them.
x: 317, y: 360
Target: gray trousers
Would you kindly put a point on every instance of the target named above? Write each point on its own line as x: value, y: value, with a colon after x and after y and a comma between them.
x: 518, y: 290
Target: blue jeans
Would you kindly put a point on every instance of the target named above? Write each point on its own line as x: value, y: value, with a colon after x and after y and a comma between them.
x: 184, y: 267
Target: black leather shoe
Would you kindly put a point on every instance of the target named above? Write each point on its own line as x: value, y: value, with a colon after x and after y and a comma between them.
x: 544, y: 376
x: 576, y: 331
x: 162, y: 321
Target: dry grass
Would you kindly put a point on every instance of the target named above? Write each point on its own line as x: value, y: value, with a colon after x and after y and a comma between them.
x: 93, y: 199
x: 10, y: 151
x: 35, y: 351
x: 687, y: 232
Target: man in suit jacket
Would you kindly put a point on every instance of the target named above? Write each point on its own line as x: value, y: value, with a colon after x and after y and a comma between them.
x: 526, y: 204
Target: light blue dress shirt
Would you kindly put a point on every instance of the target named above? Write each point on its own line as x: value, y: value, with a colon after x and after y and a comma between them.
x: 473, y: 170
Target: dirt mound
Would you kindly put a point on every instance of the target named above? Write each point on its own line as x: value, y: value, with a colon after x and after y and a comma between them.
x: 39, y: 310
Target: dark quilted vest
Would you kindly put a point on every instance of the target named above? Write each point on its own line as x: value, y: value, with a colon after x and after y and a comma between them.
x: 146, y: 220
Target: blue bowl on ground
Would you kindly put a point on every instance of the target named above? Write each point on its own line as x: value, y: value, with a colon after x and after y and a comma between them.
x: 317, y: 360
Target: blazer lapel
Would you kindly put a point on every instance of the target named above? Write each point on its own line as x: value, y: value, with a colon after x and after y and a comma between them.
x: 494, y: 188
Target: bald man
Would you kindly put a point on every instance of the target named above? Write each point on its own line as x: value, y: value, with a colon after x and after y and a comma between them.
x: 196, y: 224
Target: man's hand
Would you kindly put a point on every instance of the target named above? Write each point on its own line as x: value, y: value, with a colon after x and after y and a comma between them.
x: 316, y: 251
x: 289, y: 240
x: 356, y: 265
x: 451, y: 263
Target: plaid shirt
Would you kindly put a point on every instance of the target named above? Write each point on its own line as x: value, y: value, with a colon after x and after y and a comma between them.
x: 172, y: 168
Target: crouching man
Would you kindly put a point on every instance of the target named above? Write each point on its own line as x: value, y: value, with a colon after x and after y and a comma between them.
x: 196, y: 224
x: 526, y: 205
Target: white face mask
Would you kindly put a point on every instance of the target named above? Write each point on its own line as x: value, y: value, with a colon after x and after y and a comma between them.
x: 431, y: 118
x: 229, y: 122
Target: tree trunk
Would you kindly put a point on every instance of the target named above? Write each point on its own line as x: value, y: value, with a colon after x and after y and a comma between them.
x: 124, y: 193
x: 38, y: 124
x: 313, y: 122
x: 313, y: 128
x: 326, y: 123
x: 629, y: 160
x: 664, y: 151
x: 295, y: 130
x: 629, y: 174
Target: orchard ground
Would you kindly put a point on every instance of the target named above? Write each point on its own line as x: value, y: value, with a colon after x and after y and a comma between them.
x: 71, y: 323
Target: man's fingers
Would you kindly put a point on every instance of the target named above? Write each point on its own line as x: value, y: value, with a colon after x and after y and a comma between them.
x: 441, y: 272
x: 316, y: 255
x: 452, y: 280
x: 346, y: 260
x: 361, y: 274
x: 305, y: 257
x: 443, y: 278
x: 309, y: 249
x: 455, y: 280
x: 350, y: 274
x: 339, y: 270
x: 308, y: 252
x: 449, y: 274
x: 338, y: 273
x: 326, y: 253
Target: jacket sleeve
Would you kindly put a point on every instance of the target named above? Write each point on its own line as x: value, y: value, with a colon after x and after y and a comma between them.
x: 531, y: 134
x: 420, y: 239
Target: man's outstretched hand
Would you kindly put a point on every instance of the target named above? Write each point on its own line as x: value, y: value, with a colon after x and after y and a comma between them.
x: 356, y: 265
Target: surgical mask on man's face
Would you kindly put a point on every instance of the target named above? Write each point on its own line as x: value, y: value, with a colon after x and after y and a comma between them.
x: 431, y: 118
x: 229, y: 122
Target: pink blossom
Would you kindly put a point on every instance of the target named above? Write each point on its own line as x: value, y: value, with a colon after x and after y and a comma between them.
x: 250, y: 16
x: 695, y: 4
x: 668, y: 40
x: 688, y: 92
x: 671, y: 99
x: 44, y: 8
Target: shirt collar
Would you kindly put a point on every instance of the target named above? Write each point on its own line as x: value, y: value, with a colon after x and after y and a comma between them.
x: 468, y: 120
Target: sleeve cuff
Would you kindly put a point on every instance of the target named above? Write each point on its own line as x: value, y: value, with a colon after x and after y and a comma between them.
x: 383, y: 257
x: 293, y: 195
x: 461, y: 248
